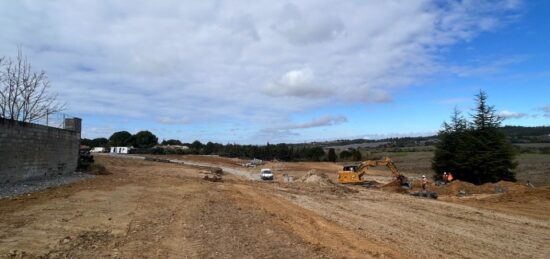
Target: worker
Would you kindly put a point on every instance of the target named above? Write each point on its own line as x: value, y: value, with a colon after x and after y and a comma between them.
x: 449, y: 177
x: 444, y: 178
x: 424, y: 182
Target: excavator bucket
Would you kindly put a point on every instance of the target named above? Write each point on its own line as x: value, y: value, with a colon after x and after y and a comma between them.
x: 405, y: 182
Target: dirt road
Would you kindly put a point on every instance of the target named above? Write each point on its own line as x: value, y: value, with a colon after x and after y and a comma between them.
x: 149, y: 209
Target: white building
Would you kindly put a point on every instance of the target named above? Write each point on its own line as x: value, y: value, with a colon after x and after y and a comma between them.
x: 173, y: 147
x: 98, y: 150
x: 120, y: 150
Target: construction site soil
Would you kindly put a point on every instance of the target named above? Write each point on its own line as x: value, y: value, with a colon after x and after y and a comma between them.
x: 148, y: 209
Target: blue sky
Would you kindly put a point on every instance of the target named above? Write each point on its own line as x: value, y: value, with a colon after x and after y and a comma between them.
x: 296, y: 71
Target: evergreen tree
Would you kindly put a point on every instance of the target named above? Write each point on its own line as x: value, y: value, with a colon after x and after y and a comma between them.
x: 196, y: 147
x: 120, y: 138
x: 145, y: 139
x: 315, y: 153
x: 357, y: 156
x: 345, y: 155
x: 331, y: 156
x: 476, y: 151
x: 100, y: 142
x: 209, y: 148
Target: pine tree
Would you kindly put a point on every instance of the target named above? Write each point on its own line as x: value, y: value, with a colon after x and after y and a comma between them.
x: 476, y: 151
x: 331, y: 156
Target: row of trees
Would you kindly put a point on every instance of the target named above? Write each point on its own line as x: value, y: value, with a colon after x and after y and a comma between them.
x: 475, y: 150
x: 142, y: 139
x: 284, y: 152
x: 146, y: 142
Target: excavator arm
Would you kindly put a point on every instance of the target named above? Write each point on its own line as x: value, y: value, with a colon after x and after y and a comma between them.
x: 372, y: 163
x: 357, y: 177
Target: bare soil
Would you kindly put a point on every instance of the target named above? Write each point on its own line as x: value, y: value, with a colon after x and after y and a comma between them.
x: 149, y: 209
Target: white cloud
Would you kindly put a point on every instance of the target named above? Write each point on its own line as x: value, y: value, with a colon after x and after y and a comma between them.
x: 297, y: 83
x: 290, y: 129
x: 512, y: 115
x: 217, y: 61
x: 328, y: 120
x: 300, y: 28
x: 546, y: 111
x: 169, y: 120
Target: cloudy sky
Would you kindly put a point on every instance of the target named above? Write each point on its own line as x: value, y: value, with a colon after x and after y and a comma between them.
x: 258, y: 71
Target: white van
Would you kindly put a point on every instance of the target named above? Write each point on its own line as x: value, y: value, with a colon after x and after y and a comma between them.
x: 266, y: 174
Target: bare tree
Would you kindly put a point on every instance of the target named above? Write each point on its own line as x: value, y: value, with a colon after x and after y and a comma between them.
x: 24, y: 93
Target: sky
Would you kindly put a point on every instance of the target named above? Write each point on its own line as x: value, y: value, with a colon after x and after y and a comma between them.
x: 254, y: 72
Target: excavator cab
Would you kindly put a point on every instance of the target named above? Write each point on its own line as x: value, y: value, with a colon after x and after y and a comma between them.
x: 350, y: 174
x: 350, y: 168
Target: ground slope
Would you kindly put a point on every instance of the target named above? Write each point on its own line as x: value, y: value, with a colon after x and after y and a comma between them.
x: 151, y: 209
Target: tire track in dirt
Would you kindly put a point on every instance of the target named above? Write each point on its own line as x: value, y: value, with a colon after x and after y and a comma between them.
x: 234, y: 171
x: 146, y: 210
x: 426, y: 228
x: 314, y: 228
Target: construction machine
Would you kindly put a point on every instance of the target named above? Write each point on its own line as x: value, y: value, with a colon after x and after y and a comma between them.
x: 353, y: 174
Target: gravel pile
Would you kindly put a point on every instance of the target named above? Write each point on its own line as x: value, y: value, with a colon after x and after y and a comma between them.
x: 28, y: 186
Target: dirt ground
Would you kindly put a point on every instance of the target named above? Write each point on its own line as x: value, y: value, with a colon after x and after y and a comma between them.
x: 149, y: 209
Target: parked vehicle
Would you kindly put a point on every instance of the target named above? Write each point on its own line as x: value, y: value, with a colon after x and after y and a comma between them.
x: 266, y: 174
x: 85, y: 158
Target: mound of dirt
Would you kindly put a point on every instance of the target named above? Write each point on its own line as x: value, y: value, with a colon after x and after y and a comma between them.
x: 459, y: 187
x: 318, y: 182
x: 315, y: 177
x: 394, y: 186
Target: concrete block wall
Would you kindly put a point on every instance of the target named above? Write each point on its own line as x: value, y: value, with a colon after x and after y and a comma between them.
x: 29, y: 151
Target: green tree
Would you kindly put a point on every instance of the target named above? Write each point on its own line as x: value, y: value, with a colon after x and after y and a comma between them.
x: 331, y: 156
x: 209, y: 148
x: 120, y: 138
x: 345, y: 155
x: 100, y: 142
x: 171, y: 142
x: 196, y: 147
x: 86, y: 142
x: 356, y: 155
x: 315, y: 153
x: 475, y: 151
x: 145, y: 139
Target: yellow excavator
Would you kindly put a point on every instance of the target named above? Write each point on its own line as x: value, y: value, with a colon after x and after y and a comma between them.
x: 353, y: 174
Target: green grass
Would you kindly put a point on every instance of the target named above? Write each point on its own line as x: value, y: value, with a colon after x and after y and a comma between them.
x: 527, y: 156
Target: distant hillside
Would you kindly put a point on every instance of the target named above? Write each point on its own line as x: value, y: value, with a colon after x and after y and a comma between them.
x: 518, y: 134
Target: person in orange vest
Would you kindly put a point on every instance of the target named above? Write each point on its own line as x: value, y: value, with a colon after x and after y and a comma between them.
x: 449, y: 177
